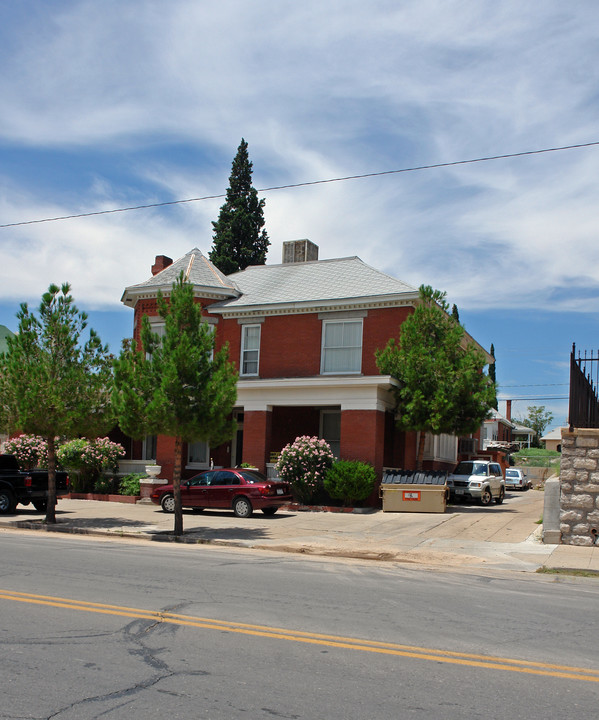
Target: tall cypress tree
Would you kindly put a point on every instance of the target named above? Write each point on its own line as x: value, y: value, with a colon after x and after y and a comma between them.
x: 493, y: 374
x: 239, y: 237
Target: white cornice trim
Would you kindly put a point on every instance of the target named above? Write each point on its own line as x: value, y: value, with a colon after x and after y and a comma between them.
x: 295, y: 308
x: 132, y: 296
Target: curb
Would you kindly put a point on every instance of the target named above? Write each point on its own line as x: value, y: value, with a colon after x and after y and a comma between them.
x: 164, y: 536
x: 298, y: 507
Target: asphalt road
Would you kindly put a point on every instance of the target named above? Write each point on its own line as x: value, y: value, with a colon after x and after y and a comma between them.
x: 111, y: 629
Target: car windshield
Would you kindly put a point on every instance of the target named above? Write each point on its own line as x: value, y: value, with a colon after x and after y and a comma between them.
x: 511, y: 473
x: 470, y: 468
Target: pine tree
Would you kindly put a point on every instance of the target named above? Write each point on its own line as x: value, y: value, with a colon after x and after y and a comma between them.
x: 52, y: 384
x: 455, y: 313
x: 239, y: 237
x: 176, y: 385
x: 441, y: 386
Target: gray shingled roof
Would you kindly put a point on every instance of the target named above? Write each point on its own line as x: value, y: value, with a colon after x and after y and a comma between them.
x: 312, y: 282
x: 197, y: 270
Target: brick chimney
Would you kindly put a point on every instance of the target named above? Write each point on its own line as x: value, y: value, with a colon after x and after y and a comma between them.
x: 299, y: 251
x: 508, y: 409
x: 161, y: 262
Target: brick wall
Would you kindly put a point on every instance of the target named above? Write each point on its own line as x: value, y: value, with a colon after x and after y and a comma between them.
x: 363, y: 437
x: 290, y: 345
x: 579, y: 487
x: 379, y: 326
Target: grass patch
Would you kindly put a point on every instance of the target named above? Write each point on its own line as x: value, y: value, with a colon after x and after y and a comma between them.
x: 568, y: 571
x: 537, y: 457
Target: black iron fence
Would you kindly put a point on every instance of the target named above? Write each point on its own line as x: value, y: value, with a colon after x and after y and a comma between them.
x: 584, y: 384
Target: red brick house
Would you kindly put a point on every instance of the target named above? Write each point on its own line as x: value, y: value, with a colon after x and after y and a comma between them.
x: 303, y: 335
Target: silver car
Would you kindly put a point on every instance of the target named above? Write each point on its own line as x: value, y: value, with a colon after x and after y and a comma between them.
x: 480, y: 480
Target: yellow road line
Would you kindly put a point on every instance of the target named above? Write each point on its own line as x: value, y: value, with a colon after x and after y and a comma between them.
x: 421, y: 653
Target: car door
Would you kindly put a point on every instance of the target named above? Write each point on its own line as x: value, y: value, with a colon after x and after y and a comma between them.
x: 194, y: 492
x: 496, y: 478
x: 223, y: 489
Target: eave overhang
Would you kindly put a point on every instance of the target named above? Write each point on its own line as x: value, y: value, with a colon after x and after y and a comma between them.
x: 132, y: 295
x: 314, y: 306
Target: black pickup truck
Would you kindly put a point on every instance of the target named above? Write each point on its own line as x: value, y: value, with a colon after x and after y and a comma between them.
x: 26, y: 486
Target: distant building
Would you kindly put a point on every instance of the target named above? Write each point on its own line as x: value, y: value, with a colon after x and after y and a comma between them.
x: 497, y: 432
x: 522, y: 435
x: 553, y: 439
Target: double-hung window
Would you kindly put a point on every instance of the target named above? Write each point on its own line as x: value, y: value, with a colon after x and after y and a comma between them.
x: 250, y: 349
x: 197, y: 454
x: 341, y: 346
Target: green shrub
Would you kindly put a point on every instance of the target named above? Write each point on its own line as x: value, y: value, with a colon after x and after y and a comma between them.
x: 90, y: 458
x: 303, y: 464
x: 129, y: 484
x: 350, y: 481
x: 104, y: 485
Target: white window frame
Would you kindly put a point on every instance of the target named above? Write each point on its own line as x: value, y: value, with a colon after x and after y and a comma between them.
x: 323, y: 348
x: 148, y: 443
x: 245, y: 350
x: 203, y: 464
x: 335, y: 443
x: 157, y: 326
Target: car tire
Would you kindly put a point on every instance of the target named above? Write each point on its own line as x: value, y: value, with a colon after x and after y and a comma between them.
x: 40, y: 505
x: 269, y: 511
x: 168, y: 503
x: 7, y: 502
x: 486, y: 498
x: 499, y: 499
x: 242, y: 507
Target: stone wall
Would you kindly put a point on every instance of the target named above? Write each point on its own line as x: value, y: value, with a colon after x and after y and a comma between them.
x: 579, y: 484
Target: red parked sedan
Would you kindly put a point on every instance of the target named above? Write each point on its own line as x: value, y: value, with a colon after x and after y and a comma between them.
x: 237, y: 489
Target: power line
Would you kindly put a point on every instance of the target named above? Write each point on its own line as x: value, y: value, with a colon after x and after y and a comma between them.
x: 538, y: 397
x: 307, y: 184
x: 537, y: 385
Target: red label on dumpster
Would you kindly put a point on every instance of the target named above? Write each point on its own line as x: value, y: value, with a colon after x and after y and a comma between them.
x: 411, y: 495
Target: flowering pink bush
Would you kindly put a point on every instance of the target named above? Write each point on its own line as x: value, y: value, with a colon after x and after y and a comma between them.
x: 90, y: 457
x: 31, y: 451
x: 99, y: 454
x: 304, y: 463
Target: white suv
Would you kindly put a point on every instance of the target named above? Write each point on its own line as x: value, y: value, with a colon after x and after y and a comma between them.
x: 515, y: 479
x: 480, y: 480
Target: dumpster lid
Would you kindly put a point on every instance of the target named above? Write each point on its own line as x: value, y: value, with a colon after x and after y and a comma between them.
x: 414, y: 477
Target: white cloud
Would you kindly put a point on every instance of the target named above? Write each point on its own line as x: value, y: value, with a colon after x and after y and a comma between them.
x: 319, y: 91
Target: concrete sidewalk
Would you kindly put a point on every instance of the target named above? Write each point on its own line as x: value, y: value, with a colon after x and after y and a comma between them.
x: 505, y: 537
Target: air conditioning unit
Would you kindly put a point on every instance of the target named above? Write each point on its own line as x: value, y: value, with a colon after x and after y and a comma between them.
x: 467, y: 446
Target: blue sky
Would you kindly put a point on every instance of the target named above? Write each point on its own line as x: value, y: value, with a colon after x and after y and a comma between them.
x: 127, y: 102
